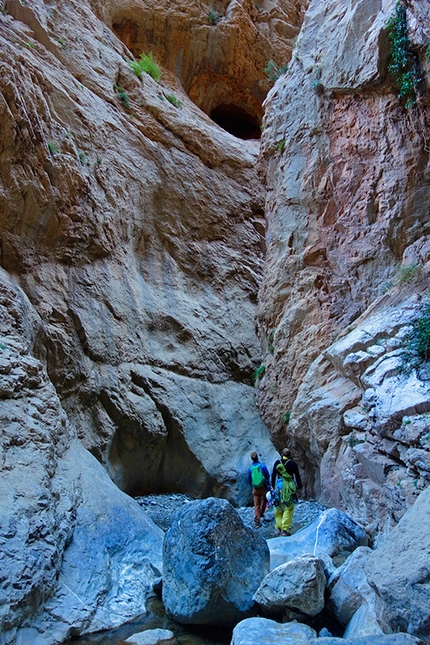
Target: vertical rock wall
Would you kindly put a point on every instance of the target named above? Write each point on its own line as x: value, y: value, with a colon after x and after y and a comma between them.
x: 135, y: 225
x: 347, y: 171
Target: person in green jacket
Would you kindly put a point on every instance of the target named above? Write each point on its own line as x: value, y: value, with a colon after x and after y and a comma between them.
x: 284, y: 511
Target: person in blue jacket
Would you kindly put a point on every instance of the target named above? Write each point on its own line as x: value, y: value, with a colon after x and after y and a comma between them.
x: 259, y: 478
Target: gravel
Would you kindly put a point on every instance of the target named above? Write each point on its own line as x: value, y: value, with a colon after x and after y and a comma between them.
x: 161, y: 509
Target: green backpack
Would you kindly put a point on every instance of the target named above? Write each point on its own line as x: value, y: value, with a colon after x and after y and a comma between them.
x: 257, y: 478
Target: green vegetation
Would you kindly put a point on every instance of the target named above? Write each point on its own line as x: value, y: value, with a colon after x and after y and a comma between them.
x: 280, y: 146
x: 409, y: 273
x: 52, y: 147
x: 174, y: 101
x: 214, y: 17
x: 273, y: 72
x: 146, y: 64
x: 271, y: 346
x: 2, y: 346
x: 83, y: 159
x: 403, y: 65
x: 123, y: 97
x: 287, y: 416
x: 418, y: 341
x: 259, y: 373
x: 427, y: 54
x: 61, y: 42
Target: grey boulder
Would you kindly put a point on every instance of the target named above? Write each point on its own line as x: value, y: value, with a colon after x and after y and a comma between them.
x: 348, y: 586
x: 331, y: 537
x: 297, y: 585
x: 212, y: 564
x: 399, y: 571
x: 386, y: 639
x: 262, y: 631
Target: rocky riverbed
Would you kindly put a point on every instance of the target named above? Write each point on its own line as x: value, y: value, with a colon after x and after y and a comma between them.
x: 161, y: 509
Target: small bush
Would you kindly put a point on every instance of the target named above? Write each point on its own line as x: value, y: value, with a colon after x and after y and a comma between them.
x: 418, y: 341
x: 145, y: 64
x: 402, y: 66
x: 273, y: 72
x: 287, y: 416
x: 52, y: 147
x: 409, y: 273
x: 427, y: 54
x: 174, y: 101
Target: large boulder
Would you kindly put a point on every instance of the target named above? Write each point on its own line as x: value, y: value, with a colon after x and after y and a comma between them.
x: 386, y: 639
x: 348, y: 586
x: 77, y: 554
x: 399, y: 571
x: 331, y: 537
x: 255, y: 631
x: 212, y: 564
x: 297, y: 585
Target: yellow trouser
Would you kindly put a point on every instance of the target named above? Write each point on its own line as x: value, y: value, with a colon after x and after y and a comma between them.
x: 284, y: 517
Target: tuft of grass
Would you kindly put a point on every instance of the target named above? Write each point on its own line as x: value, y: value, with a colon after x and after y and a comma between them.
x: 123, y: 97
x: 146, y: 64
x: 280, y: 146
x: 271, y: 346
x: 214, y: 17
x: 403, y: 65
x: 174, y: 101
x: 83, y: 159
x: 52, y: 147
x: 273, y: 72
x: 287, y: 416
x: 427, y: 54
x: 259, y: 373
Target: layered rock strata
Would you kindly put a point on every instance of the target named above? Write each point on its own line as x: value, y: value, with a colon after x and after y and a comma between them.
x: 347, y: 172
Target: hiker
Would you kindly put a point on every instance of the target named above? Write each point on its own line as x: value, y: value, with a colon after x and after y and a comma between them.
x: 286, y: 480
x: 259, y: 478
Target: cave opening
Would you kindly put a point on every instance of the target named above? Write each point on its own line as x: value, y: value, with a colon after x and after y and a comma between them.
x: 237, y: 121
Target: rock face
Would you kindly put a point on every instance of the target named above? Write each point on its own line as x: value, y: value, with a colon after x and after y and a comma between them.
x: 348, y: 586
x: 135, y: 225
x: 347, y: 205
x: 67, y: 532
x: 399, y: 571
x: 212, y: 564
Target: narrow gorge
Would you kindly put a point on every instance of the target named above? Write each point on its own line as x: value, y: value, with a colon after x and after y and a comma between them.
x: 214, y: 239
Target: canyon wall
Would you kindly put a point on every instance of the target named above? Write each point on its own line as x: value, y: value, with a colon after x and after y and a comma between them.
x: 135, y: 225
x: 346, y: 163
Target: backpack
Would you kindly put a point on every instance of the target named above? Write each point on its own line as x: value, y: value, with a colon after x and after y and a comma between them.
x: 257, y: 478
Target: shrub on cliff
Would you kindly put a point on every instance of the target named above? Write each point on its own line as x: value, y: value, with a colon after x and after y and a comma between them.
x: 146, y: 64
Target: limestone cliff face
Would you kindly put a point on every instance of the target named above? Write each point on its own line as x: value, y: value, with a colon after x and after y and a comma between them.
x: 347, y: 171
x: 135, y: 224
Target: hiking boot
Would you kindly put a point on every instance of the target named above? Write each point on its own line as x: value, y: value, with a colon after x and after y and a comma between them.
x: 277, y: 531
x: 285, y: 534
x: 257, y: 525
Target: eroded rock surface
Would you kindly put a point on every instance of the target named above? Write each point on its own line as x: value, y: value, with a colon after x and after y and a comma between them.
x: 348, y: 197
x: 135, y: 224
x: 76, y: 552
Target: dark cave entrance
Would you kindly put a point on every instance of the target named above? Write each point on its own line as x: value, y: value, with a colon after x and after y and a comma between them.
x: 237, y: 121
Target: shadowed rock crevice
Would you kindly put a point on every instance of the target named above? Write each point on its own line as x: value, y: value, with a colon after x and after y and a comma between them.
x: 237, y: 121
x: 217, y: 52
